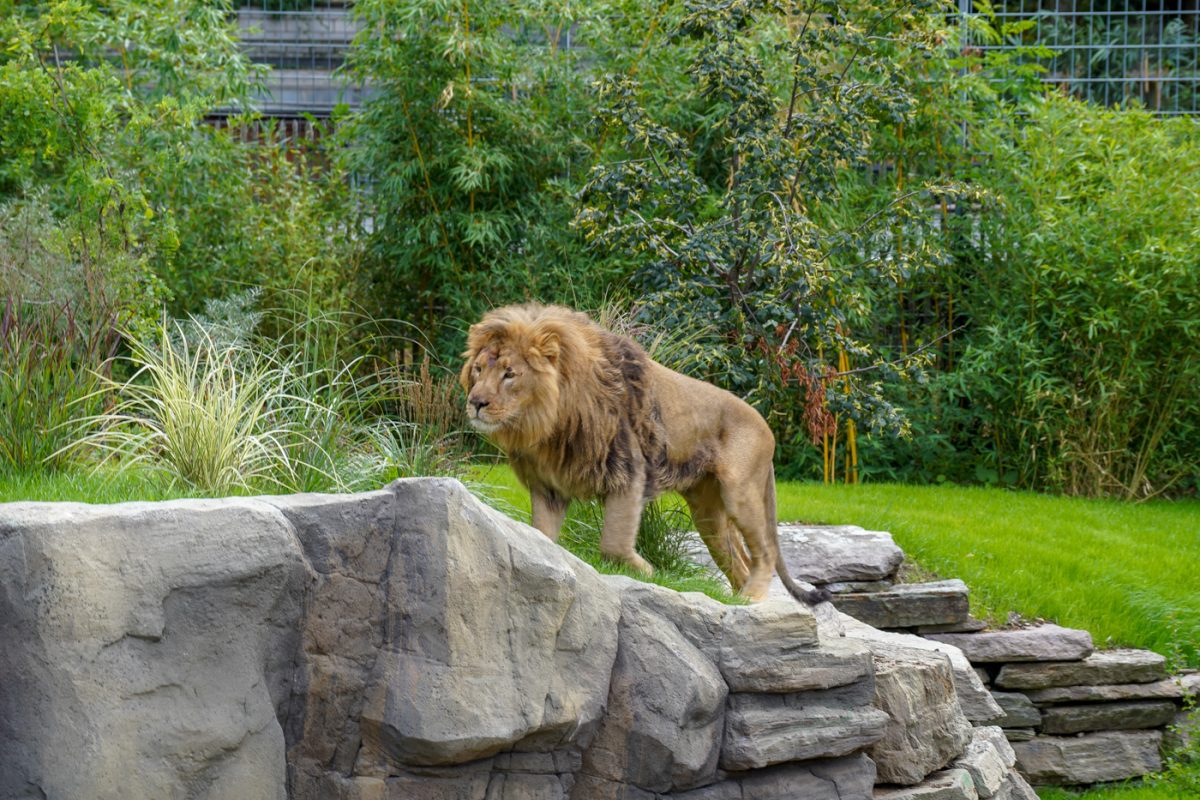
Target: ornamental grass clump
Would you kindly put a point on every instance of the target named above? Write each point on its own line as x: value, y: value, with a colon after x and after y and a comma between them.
x: 216, y: 415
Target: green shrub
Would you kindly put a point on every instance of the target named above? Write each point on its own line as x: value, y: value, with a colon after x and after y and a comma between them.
x: 1082, y: 364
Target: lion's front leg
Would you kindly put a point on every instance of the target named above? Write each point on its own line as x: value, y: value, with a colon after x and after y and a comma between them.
x: 622, y: 515
x: 548, y: 513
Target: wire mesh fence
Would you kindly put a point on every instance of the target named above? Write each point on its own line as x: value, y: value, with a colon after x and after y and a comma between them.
x: 304, y: 42
x: 1112, y: 52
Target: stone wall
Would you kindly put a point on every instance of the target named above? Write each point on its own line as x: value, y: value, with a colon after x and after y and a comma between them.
x: 1074, y: 715
x: 414, y: 643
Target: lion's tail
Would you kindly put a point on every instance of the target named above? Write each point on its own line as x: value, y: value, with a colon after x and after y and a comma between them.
x: 812, y: 595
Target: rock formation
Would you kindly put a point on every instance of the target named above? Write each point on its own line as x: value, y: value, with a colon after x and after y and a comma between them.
x: 414, y: 643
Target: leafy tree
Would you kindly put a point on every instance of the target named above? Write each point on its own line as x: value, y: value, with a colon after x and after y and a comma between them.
x: 93, y: 97
x: 730, y: 223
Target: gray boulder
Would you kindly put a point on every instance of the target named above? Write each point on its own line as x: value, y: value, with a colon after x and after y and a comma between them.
x: 975, y: 700
x: 146, y: 649
x: 1107, y: 667
x: 908, y: 605
x: 915, y: 686
x: 988, y: 759
x: 848, y: 778
x: 1090, y: 758
x: 766, y: 729
x: 666, y: 708
x: 1040, y: 643
x: 1015, y: 787
x: 838, y: 553
x: 1108, y: 716
x: 441, y: 632
x: 773, y: 646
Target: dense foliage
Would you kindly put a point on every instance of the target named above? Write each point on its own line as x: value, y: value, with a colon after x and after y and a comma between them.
x: 817, y: 199
x: 469, y: 144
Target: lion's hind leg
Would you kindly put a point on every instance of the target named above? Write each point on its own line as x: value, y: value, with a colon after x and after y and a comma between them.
x: 743, y: 499
x: 717, y: 530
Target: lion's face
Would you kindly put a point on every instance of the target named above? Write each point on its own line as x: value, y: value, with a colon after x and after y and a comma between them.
x: 501, y: 384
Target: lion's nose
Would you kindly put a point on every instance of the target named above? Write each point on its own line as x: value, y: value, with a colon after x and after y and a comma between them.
x: 479, y: 404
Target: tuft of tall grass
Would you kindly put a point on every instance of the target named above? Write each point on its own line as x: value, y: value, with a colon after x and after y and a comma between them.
x: 215, y: 405
x: 214, y: 415
x: 51, y: 364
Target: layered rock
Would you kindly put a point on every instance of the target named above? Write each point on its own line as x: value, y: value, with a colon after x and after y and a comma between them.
x: 909, y: 605
x: 468, y: 636
x: 915, y: 686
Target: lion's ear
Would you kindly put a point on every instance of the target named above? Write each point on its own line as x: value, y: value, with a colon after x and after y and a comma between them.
x: 545, y: 343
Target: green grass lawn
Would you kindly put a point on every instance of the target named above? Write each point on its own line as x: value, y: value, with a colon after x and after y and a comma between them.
x: 86, y: 486
x: 1126, y: 573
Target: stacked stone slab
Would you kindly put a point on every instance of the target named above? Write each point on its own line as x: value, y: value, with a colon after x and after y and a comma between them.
x: 413, y: 642
x: 1073, y: 716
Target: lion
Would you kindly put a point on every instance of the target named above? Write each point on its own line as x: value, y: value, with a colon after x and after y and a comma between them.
x: 584, y: 413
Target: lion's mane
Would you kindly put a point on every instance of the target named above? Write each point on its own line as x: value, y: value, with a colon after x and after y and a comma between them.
x: 589, y: 409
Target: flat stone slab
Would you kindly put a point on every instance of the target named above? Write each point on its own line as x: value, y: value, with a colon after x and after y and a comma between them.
x: 1107, y: 667
x: 1041, y: 643
x: 766, y: 729
x: 843, y: 555
x: 1019, y: 711
x: 949, y: 784
x: 1019, y: 734
x: 1169, y: 689
x: 908, y: 605
x: 1090, y: 758
x: 1108, y: 716
x: 838, y: 553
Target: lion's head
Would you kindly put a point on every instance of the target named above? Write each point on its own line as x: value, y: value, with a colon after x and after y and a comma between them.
x: 518, y: 361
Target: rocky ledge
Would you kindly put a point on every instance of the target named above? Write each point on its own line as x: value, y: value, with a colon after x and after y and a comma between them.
x: 412, y: 642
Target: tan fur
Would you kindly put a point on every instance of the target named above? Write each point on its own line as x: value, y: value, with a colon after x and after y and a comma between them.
x: 583, y: 413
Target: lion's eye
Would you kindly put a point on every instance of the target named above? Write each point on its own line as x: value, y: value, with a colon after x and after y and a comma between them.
x: 508, y: 373
x: 478, y: 369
